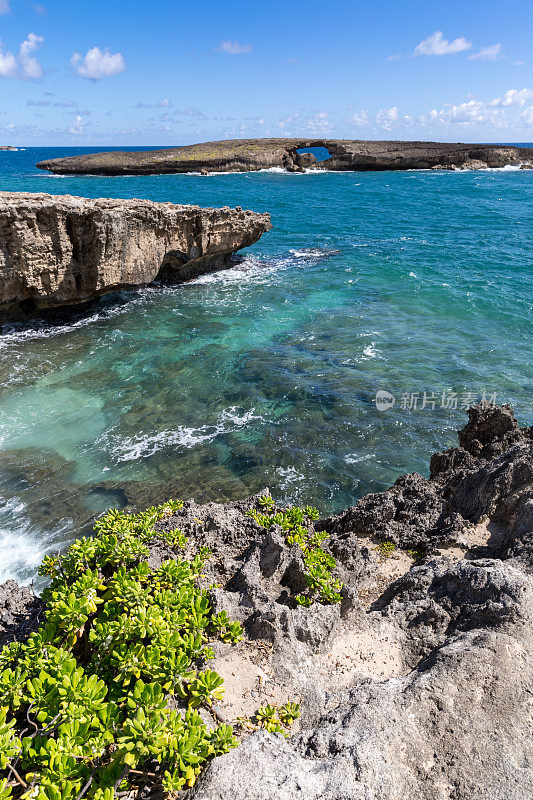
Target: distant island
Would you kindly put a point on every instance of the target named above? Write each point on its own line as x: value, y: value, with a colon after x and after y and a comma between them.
x: 7, y: 147
x: 245, y: 155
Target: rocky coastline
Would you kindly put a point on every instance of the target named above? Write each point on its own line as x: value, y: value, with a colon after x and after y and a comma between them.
x: 59, y: 250
x: 418, y: 684
x: 244, y: 155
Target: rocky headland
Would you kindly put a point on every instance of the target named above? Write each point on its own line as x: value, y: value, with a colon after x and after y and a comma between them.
x: 244, y: 155
x: 418, y: 685
x: 59, y: 250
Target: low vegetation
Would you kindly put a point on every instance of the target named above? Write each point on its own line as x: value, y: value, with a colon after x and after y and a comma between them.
x: 386, y: 549
x: 297, y: 525
x: 105, y: 695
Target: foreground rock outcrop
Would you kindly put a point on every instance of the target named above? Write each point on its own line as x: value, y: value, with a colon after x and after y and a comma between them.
x: 58, y: 250
x: 243, y: 155
x: 419, y: 684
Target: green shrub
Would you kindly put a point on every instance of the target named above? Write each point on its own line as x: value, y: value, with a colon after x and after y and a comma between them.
x: 296, y: 524
x: 386, y: 549
x: 277, y: 719
x: 84, y: 706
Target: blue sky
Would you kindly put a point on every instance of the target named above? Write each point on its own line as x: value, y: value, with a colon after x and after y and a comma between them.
x: 163, y: 73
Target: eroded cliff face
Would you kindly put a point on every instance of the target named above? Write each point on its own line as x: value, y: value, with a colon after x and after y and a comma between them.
x: 64, y: 250
x: 254, y: 154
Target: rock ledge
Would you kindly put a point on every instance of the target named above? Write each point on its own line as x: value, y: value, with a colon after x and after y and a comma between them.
x: 59, y: 250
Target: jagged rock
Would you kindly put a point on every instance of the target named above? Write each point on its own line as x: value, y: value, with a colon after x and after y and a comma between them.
x: 474, y: 163
x: 493, y: 465
x: 260, y: 574
x: 448, y: 715
x: 253, y: 154
x: 457, y: 726
x: 526, y: 166
x: 305, y: 160
x: 63, y: 250
x: 20, y: 610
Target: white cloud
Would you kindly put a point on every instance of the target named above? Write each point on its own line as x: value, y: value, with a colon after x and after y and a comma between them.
x: 467, y: 112
x: 4, y: 7
x: 319, y: 121
x: 25, y: 65
x: 471, y: 112
x: 233, y: 48
x: 527, y: 115
x: 97, y: 64
x: 437, y: 45
x: 29, y: 65
x: 499, y: 113
x: 78, y: 126
x: 8, y: 64
x: 361, y: 118
x: 512, y: 97
x: 387, y: 117
x: 488, y: 53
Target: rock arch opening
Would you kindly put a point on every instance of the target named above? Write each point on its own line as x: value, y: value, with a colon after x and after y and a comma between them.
x: 320, y: 152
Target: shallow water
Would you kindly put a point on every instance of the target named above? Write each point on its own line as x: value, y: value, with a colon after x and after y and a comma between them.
x: 266, y: 374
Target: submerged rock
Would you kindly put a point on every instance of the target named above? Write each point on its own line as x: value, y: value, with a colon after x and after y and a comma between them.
x: 253, y: 154
x: 63, y: 250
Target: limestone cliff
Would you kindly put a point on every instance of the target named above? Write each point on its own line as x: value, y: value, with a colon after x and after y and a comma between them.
x: 253, y: 154
x: 64, y: 250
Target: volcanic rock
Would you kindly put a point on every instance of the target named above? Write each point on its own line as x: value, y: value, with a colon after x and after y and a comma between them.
x: 245, y: 155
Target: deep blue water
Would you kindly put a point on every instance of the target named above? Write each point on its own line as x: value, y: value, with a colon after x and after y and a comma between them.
x: 266, y: 374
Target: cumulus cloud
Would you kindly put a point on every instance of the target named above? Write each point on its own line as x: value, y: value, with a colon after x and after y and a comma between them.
x: 437, y: 45
x: 97, y: 64
x: 488, y: 53
x: 25, y: 65
x: 78, y: 126
x: 233, y: 48
x: 4, y: 7
x: 29, y: 65
x: 387, y: 117
x: 319, y: 121
x: 471, y: 111
x: 361, y: 118
x: 8, y: 64
x: 527, y: 116
x: 512, y: 97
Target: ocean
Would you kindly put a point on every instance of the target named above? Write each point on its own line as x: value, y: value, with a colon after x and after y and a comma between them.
x: 411, y: 284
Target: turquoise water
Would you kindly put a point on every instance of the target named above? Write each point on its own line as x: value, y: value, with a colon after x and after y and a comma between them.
x: 266, y: 374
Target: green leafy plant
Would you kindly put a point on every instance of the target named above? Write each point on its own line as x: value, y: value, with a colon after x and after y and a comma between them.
x: 386, y: 549
x: 227, y: 630
x: 297, y: 525
x: 277, y: 719
x: 84, y: 706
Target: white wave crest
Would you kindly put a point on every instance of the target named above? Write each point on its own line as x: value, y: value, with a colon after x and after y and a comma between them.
x: 313, y: 252
x: 21, y: 550
x: 144, y: 445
